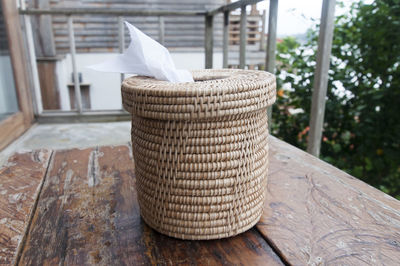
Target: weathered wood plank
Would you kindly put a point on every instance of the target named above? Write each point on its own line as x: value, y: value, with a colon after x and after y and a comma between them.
x: 88, y: 214
x: 53, y: 221
x: 249, y: 248
x: 316, y: 214
x: 20, y: 181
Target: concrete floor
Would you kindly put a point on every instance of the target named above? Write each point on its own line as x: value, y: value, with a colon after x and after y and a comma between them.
x: 64, y: 136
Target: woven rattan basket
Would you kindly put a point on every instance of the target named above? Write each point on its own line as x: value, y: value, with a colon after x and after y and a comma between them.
x: 201, y: 151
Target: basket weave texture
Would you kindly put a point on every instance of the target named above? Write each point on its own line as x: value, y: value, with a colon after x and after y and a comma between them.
x: 201, y: 150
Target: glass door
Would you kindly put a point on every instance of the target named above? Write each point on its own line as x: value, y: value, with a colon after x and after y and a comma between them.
x: 16, y: 110
x: 8, y: 96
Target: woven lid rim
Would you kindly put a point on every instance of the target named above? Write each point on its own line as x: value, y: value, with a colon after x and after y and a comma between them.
x: 220, y: 93
x: 205, y: 81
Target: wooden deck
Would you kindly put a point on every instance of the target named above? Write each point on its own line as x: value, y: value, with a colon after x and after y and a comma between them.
x: 79, y: 207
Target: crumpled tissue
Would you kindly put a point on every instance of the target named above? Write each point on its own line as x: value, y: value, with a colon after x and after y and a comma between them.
x: 145, y: 57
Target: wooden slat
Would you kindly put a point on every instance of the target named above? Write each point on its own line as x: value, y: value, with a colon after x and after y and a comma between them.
x: 316, y: 214
x: 69, y: 11
x: 243, y: 37
x: 270, y: 55
x: 72, y: 50
x: 88, y: 214
x: 262, y: 33
x: 20, y: 181
x: 321, y: 75
x: 250, y: 17
x: 233, y: 6
x: 249, y: 39
x: 121, y: 42
x: 208, y: 41
x: 161, y: 30
x: 191, y: 25
x: 44, y: 38
x: 225, y: 41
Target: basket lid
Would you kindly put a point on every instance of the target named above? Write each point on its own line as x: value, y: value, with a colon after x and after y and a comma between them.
x: 214, y: 94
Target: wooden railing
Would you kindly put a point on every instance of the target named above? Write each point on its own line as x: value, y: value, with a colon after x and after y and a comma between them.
x: 321, y: 72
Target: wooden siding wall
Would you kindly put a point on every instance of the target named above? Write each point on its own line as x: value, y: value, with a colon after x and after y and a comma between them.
x: 100, y: 33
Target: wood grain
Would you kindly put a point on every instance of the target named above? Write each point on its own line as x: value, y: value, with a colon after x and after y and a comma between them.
x: 11, y: 128
x: 88, y: 214
x: 18, y: 59
x: 48, y: 84
x: 98, y: 33
x: 43, y: 36
x: 15, y: 125
x: 20, y: 180
x: 318, y: 215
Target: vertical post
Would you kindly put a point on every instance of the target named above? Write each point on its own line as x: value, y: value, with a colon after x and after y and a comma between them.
x: 45, y: 48
x: 38, y: 105
x: 271, y: 46
x: 121, y: 40
x: 321, y: 76
x: 161, y: 30
x: 77, y: 87
x: 243, y: 37
x: 262, y: 33
x: 271, y: 41
x: 43, y: 37
x: 209, y: 41
x: 225, y: 44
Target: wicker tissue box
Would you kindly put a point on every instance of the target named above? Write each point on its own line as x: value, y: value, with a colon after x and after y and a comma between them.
x: 201, y: 150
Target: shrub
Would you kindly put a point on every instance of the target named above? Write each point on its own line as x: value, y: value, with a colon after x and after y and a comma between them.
x: 361, y: 132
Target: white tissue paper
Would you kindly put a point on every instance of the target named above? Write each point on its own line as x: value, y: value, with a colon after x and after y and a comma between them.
x: 145, y: 57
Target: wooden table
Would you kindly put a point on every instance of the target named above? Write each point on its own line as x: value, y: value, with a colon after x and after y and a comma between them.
x: 79, y: 207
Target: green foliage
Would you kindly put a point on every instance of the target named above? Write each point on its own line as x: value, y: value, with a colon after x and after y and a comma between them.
x: 362, y: 118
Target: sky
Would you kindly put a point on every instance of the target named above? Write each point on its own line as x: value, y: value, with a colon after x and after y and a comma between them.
x: 295, y: 16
